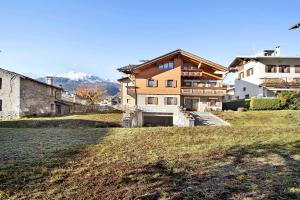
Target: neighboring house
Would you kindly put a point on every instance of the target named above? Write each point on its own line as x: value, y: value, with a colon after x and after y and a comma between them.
x: 229, y: 94
x: 23, y: 96
x: 159, y: 87
x: 73, y: 98
x: 265, y: 74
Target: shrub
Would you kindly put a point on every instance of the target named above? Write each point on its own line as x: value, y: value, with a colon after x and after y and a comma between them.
x: 289, y: 100
x: 234, y: 105
x: 264, y: 104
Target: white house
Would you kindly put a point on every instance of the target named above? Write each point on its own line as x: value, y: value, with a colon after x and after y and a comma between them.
x: 265, y: 74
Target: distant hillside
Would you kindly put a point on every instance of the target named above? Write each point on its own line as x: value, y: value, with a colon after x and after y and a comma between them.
x: 71, y: 80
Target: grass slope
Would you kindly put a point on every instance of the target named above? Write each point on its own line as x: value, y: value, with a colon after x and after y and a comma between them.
x: 236, y: 162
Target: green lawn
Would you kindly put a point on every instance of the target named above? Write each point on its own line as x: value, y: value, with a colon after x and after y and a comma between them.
x: 256, y: 161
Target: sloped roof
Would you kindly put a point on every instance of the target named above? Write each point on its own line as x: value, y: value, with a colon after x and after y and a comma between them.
x: 127, y: 68
x: 295, y: 26
x: 28, y: 78
x: 239, y: 59
x: 130, y: 68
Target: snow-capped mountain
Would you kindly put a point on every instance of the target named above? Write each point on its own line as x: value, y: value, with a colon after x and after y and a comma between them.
x: 71, y: 80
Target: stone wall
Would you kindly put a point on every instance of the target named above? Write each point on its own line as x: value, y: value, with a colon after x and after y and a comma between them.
x: 37, y: 99
x: 10, y: 95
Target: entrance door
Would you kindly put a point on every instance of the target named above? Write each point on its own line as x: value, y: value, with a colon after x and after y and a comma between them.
x: 191, y: 104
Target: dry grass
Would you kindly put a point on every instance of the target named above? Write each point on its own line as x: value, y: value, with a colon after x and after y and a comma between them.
x: 95, y: 120
x: 236, y: 162
x: 262, y: 118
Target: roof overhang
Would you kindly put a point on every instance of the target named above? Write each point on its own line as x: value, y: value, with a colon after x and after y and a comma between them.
x: 185, y: 54
x: 295, y: 26
x: 124, y: 80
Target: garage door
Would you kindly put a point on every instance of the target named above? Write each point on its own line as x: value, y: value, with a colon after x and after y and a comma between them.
x: 158, y: 120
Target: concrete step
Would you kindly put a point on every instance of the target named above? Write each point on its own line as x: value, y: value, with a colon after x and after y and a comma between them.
x: 208, y: 119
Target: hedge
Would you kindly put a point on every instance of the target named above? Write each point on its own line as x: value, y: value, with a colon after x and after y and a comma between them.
x: 234, y: 105
x: 264, y: 104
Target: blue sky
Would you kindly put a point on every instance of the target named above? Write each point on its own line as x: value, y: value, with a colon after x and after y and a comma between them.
x: 58, y: 36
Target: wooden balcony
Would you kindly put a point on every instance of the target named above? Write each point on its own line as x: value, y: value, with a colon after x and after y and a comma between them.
x: 209, y: 91
x: 205, y: 85
x: 191, y: 74
x: 280, y: 83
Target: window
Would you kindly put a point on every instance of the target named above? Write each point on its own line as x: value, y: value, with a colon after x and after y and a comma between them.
x: 0, y: 83
x: 128, y: 100
x: 213, y: 102
x: 284, y: 69
x: 0, y: 105
x: 247, y: 96
x: 151, y: 83
x: 52, y: 108
x: 249, y: 72
x: 170, y: 83
x: 167, y: 65
x: 170, y: 101
x: 151, y: 100
x: 241, y: 75
x: 297, y: 69
x: 244, y: 89
x: 271, y: 69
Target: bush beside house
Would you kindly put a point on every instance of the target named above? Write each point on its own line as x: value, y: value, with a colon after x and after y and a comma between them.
x: 264, y: 104
x: 284, y: 100
x: 289, y: 100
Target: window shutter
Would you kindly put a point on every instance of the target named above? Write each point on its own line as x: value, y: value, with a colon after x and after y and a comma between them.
x: 165, y: 100
x: 156, y: 100
x: 174, y: 83
x: 156, y: 83
x: 166, y: 83
x: 147, y: 83
x: 175, y: 100
x: 146, y: 100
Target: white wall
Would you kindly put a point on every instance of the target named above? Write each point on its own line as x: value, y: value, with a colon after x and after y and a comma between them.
x: 125, y: 96
x: 252, y: 90
x: 161, y: 107
x: 10, y: 95
x: 259, y: 69
x: 252, y: 82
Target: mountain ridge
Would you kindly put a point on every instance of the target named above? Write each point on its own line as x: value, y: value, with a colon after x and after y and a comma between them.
x: 71, y: 80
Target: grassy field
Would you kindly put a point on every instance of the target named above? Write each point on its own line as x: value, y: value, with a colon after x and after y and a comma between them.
x: 255, y: 158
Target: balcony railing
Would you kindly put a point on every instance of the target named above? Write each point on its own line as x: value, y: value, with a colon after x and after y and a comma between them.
x: 203, y: 92
x: 280, y: 83
x: 205, y: 85
x: 191, y: 74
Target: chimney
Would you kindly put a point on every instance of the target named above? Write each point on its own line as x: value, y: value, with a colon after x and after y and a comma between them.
x: 49, y: 80
x: 277, y: 51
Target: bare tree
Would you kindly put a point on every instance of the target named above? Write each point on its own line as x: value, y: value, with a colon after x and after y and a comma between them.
x: 93, y: 93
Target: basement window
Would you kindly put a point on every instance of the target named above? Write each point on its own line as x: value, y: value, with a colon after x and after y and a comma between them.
x: 150, y: 100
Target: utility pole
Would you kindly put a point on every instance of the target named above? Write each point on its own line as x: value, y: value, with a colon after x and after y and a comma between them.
x: 295, y: 26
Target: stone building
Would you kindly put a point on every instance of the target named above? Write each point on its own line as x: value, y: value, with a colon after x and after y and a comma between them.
x: 23, y: 96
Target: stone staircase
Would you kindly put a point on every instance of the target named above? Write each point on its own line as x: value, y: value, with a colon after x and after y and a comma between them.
x: 208, y: 119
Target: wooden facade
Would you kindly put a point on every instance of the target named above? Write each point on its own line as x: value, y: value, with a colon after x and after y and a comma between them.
x: 178, y: 73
